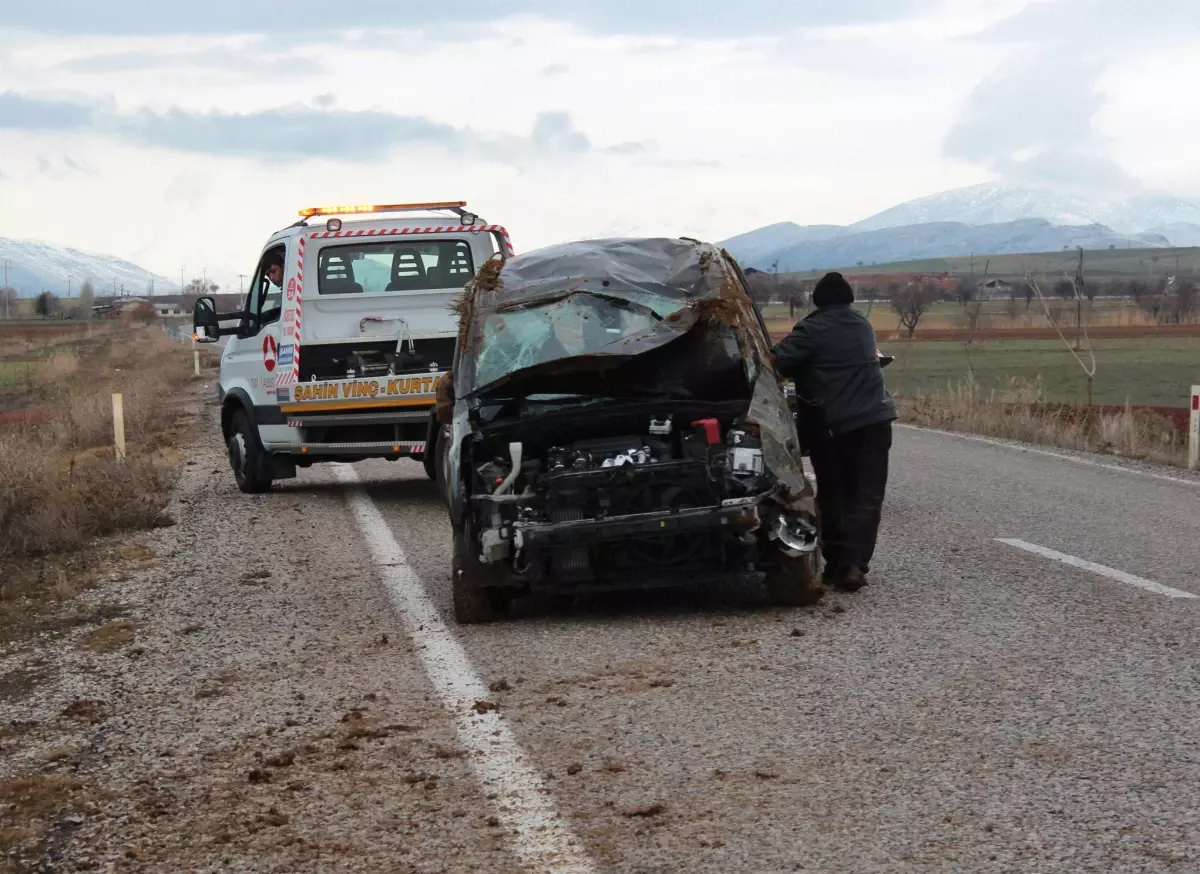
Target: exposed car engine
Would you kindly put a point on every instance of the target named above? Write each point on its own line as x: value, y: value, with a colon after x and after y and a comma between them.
x: 658, y: 491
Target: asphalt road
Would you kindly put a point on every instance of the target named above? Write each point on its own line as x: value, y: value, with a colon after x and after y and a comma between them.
x: 979, y: 707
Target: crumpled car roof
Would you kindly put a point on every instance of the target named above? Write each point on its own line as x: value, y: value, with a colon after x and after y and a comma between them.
x: 676, y: 268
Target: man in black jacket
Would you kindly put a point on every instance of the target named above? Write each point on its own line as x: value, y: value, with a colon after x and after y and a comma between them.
x: 845, y: 420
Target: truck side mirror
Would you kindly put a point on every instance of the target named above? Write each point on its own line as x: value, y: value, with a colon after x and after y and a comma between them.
x: 206, y: 327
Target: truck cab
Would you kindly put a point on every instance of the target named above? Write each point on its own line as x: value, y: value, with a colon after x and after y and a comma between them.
x: 345, y: 332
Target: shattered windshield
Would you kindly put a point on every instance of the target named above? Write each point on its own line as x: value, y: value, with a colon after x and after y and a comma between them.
x: 570, y: 326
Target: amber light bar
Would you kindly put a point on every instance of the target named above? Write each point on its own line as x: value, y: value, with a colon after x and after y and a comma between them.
x: 379, y: 207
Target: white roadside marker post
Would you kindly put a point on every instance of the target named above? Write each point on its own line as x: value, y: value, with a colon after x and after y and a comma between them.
x: 1194, y: 431
x: 119, y: 425
x: 196, y: 356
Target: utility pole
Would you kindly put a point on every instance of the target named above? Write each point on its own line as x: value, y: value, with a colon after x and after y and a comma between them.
x: 1079, y: 300
x: 6, y: 289
x: 241, y: 283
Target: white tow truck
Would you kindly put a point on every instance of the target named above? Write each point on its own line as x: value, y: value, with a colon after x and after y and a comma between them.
x: 346, y: 330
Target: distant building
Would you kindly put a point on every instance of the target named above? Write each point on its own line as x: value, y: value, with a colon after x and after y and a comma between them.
x: 994, y: 288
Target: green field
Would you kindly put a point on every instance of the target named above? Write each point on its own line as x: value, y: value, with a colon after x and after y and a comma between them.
x: 1151, y: 372
x: 14, y: 374
x: 1124, y: 263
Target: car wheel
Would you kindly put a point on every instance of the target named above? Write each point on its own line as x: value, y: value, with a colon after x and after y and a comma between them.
x: 476, y: 599
x: 246, y: 456
x: 795, y: 582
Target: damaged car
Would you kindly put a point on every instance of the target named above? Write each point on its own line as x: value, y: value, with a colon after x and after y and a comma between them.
x: 613, y: 421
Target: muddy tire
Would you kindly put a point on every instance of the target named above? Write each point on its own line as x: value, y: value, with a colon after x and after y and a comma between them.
x: 248, y: 460
x: 795, y: 582
x: 475, y: 601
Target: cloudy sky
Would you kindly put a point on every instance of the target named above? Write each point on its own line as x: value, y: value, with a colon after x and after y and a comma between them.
x: 180, y: 136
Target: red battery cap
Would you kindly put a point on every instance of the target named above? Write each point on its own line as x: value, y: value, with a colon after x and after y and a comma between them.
x: 712, y: 430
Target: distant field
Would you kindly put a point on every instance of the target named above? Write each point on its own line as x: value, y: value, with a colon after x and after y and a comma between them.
x: 13, y: 374
x: 1150, y: 372
x: 1097, y: 263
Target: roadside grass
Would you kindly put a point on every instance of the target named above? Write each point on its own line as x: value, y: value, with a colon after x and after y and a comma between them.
x: 1020, y: 412
x: 109, y: 638
x: 1142, y: 372
x: 61, y: 485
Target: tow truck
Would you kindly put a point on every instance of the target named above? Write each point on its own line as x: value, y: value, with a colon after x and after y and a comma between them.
x: 346, y: 330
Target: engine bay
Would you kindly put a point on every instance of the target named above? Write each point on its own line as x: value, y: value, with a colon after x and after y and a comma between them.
x: 684, y: 496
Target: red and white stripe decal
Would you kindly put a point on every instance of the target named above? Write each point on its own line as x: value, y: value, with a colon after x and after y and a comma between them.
x: 403, y: 232
x: 299, y: 311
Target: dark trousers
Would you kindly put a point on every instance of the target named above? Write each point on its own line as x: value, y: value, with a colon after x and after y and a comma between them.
x: 851, y: 472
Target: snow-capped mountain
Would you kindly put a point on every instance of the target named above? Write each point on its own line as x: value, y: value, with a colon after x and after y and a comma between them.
x: 991, y: 203
x: 850, y: 247
x: 755, y: 247
x: 35, y: 266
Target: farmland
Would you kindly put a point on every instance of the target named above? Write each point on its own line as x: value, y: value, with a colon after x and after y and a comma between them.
x: 1142, y: 372
x: 1106, y: 263
x: 1138, y: 361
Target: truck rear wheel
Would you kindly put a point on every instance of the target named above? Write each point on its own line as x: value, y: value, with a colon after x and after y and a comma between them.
x: 475, y: 601
x: 795, y: 582
x: 246, y: 456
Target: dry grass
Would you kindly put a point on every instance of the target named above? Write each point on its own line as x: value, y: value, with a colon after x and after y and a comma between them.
x: 1020, y: 413
x: 61, y: 486
x: 110, y: 638
x: 60, y: 368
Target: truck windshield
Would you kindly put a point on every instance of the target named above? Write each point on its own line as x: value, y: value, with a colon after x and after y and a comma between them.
x: 394, y: 266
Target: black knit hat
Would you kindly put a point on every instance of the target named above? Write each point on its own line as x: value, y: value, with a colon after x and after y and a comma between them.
x: 832, y: 288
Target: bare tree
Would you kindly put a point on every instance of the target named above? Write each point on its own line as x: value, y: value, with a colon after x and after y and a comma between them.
x: 1027, y: 293
x: 1180, y: 303
x: 142, y: 312
x: 46, y: 304
x: 965, y: 289
x: 199, y: 288
x: 1065, y: 289
x: 912, y: 302
x: 1010, y: 309
x: 1137, y: 290
x: 760, y: 285
x: 87, y: 297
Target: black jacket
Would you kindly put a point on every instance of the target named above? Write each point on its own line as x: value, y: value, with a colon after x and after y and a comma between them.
x: 832, y: 356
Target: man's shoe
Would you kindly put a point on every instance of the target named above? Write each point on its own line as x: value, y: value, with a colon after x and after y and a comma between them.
x: 851, y: 581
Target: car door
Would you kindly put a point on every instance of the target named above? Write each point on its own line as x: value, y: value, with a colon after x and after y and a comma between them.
x: 251, y: 359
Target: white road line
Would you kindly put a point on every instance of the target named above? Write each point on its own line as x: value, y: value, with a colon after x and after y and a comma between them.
x: 1111, y: 573
x: 1023, y: 447
x: 542, y: 839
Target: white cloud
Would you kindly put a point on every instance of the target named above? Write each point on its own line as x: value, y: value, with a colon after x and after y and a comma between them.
x: 555, y: 129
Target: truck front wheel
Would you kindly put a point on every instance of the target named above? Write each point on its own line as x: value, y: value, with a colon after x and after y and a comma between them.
x: 246, y: 456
